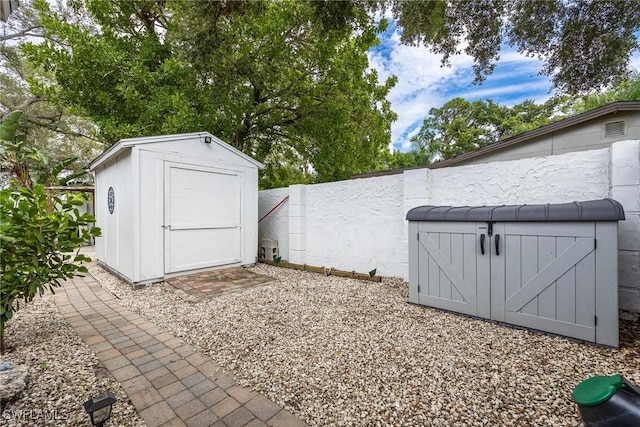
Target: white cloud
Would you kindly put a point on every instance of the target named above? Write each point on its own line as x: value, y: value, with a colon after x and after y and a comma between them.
x: 419, y: 76
x: 423, y: 84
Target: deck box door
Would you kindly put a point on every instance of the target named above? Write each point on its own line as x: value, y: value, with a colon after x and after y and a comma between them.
x: 545, y: 278
x: 453, y: 273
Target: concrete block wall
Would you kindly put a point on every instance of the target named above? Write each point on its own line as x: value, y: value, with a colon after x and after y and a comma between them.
x: 360, y: 224
x: 625, y: 188
x: 561, y: 178
x: 297, y: 224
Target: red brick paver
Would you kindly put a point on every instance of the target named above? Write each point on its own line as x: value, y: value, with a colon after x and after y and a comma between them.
x: 168, y: 382
x: 209, y: 284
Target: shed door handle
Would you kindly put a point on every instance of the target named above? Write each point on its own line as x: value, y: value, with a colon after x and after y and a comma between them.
x: 482, y: 244
x: 497, y: 244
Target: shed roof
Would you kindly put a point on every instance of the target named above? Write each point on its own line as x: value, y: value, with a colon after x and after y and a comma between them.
x: 127, y: 143
x: 593, y: 210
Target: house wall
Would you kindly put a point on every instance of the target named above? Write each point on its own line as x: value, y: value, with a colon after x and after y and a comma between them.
x: 586, y: 136
x: 360, y: 224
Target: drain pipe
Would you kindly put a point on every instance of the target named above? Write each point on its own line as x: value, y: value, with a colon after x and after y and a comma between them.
x: 326, y: 271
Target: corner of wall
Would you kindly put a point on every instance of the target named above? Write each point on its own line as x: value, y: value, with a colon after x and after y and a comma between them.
x: 297, y: 224
x: 625, y: 188
x: 414, y: 186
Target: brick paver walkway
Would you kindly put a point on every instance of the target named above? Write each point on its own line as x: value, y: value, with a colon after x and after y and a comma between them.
x: 208, y: 284
x: 168, y: 382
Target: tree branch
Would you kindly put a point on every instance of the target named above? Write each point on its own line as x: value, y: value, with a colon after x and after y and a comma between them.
x: 23, y: 33
x: 57, y: 129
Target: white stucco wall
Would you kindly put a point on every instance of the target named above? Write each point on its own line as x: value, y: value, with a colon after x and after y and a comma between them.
x: 357, y: 225
x: 552, y: 179
x: 276, y: 225
x: 625, y: 188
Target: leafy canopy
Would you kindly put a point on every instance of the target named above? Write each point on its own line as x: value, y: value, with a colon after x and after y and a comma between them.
x: 50, y: 128
x: 585, y: 44
x: 279, y: 80
x: 460, y: 126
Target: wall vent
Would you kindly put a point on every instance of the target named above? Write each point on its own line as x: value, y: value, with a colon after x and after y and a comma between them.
x: 614, y: 129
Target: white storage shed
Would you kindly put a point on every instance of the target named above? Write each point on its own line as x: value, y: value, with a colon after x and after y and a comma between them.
x: 175, y: 203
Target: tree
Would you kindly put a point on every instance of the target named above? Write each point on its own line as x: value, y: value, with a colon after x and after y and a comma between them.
x: 50, y: 128
x: 585, y: 44
x: 40, y: 234
x: 460, y: 126
x: 272, y: 78
x: 628, y: 90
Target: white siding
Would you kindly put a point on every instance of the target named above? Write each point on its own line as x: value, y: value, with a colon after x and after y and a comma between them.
x: 115, y: 247
x: 133, y: 242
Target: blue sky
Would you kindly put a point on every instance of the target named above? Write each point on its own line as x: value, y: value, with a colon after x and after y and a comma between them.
x: 424, y: 84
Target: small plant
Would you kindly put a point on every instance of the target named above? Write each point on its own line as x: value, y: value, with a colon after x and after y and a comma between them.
x: 44, y: 366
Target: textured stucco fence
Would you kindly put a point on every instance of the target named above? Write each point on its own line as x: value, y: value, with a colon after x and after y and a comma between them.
x: 359, y: 224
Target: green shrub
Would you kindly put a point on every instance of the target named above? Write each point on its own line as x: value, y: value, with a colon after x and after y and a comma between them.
x: 40, y: 237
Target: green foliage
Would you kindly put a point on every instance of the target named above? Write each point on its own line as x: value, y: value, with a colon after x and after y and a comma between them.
x: 40, y: 234
x: 628, y: 90
x: 19, y: 157
x: 585, y: 45
x: 50, y: 128
x: 285, y: 82
x: 460, y: 126
x: 39, y: 239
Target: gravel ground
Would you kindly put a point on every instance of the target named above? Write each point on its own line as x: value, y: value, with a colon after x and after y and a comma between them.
x: 63, y: 372
x: 338, y: 351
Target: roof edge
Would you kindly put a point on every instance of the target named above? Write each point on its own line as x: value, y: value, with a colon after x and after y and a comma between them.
x: 132, y: 142
x: 612, y: 108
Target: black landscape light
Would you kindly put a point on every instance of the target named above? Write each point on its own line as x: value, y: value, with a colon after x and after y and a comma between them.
x: 99, y: 408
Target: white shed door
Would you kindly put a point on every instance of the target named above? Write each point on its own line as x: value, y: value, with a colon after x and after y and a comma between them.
x: 202, y: 218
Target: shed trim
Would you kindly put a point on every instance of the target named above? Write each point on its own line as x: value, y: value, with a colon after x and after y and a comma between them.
x: 132, y: 142
x: 593, y: 210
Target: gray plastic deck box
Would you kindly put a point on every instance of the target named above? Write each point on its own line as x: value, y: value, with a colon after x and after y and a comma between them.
x: 552, y: 268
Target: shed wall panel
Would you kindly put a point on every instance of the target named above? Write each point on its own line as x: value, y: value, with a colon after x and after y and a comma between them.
x: 115, y: 247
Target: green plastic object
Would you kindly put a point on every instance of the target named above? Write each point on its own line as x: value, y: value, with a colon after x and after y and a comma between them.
x: 597, y: 390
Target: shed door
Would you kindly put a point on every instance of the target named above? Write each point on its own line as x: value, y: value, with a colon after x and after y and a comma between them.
x: 546, y: 278
x: 202, y: 218
x: 453, y: 273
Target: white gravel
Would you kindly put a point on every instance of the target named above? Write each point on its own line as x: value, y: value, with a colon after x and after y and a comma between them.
x: 63, y: 372
x: 339, y: 351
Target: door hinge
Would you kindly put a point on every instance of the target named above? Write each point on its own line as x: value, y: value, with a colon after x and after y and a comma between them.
x: 595, y: 244
x: 418, y: 235
x: 418, y: 288
x: 595, y: 320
